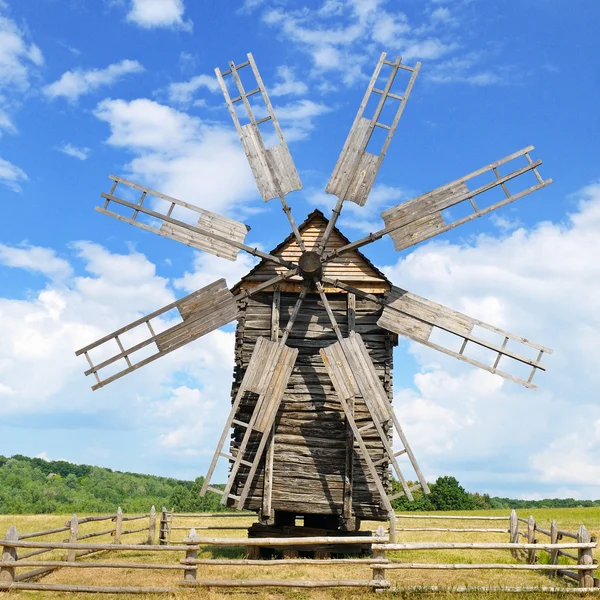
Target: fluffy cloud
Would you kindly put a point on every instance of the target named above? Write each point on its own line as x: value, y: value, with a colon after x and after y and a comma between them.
x: 40, y: 374
x: 35, y: 259
x: 18, y: 57
x: 541, y: 283
x: 11, y: 175
x: 288, y: 85
x: 75, y: 151
x: 182, y: 92
x: 180, y: 155
x: 74, y: 84
x: 152, y: 14
x: 331, y: 34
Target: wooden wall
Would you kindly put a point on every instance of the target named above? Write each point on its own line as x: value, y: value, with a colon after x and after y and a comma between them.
x: 309, y: 459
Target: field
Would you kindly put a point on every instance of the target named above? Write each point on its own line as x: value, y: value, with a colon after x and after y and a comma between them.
x: 567, y: 519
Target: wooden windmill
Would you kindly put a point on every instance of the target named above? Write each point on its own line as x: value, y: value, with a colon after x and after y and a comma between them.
x: 311, y: 411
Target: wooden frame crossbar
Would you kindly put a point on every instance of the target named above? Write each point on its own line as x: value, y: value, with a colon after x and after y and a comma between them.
x: 214, y: 306
x: 269, y: 371
x: 353, y: 375
x: 415, y: 317
x: 273, y: 168
x: 212, y: 233
x: 356, y: 169
x: 421, y: 218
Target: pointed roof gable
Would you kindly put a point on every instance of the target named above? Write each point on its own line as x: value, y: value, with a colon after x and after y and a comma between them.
x: 353, y: 268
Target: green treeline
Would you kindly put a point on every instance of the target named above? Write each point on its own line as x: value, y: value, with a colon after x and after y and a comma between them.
x: 37, y: 486
x: 448, y: 494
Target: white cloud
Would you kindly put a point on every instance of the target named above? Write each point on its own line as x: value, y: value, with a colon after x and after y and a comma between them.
x: 297, y: 118
x: 6, y: 123
x: 182, y: 92
x: 75, y: 151
x: 73, y: 84
x: 180, y: 155
x: 152, y: 14
x: 40, y: 374
x: 35, y: 259
x: 466, y: 69
x: 18, y: 58
x: 288, y: 84
x: 209, y: 268
x: 331, y: 35
x: 542, y: 283
x: 11, y: 175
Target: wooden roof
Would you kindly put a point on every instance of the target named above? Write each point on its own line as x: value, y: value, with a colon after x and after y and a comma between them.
x: 353, y: 268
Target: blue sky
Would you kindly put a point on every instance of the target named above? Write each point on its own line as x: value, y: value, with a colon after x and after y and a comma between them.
x: 128, y: 87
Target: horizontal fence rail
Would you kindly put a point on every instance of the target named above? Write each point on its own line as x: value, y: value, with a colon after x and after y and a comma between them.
x: 18, y: 550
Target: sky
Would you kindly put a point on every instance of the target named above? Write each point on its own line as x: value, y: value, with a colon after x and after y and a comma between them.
x: 127, y: 87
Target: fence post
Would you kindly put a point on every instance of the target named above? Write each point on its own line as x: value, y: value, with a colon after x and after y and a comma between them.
x: 118, y: 525
x: 162, y: 527
x: 514, y: 531
x: 392, y: 517
x: 531, y: 558
x: 72, y: 554
x: 189, y: 574
x: 9, y: 554
x: 152, y: 526
x: 586, y: 578
x: 378, y: 573
x: 554, y: 553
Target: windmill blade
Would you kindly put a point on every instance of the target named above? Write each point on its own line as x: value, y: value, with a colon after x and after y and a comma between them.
x: 212, y: 233
x: 418, y: 319
x: 273, y: 168
x: 267, y: 375
x: 421, y: 218
x: 259, y: 378
x: 353, y: 375
x: 356, y: 169
x: 201, y: 312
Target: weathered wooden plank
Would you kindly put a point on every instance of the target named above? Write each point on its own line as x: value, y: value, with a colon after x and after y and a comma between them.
x: 415, y: 317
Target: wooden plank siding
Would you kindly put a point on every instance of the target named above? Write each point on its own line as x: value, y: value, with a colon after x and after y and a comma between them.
x: 309, y: 448
x: 353, y: 268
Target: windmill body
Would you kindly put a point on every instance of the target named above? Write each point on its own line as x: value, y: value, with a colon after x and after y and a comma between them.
x: 311, y: 423
x: 315, y: 466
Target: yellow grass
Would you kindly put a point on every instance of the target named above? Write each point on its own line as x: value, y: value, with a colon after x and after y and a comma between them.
x: 567, y: 519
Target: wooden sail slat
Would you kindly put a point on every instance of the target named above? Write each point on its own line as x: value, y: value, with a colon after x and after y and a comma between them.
x: 202, y: 312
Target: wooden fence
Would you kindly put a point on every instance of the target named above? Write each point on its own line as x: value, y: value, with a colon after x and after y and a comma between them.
x: 18, y: 550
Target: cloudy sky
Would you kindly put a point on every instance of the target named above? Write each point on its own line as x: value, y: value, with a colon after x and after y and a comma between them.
x: 127, y: 87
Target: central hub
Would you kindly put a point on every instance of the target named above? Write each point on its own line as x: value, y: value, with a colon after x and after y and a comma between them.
x: 310, y: 265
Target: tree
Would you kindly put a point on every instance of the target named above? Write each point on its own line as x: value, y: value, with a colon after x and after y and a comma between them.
x: 448, y: 494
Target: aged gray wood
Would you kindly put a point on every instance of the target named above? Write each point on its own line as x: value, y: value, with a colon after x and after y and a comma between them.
x: 210, y: 232
x: 9, y: 556
x: 72, y: 554
x: 119, y: 525
x: 481, y: 546
x: 415, y: 317
x: 182, y: 225
x: 428, y: 221
x: 468, y: 566
x: 266, y: 510
x: 586, y: 559
x: 273, y: 168
x: 356, y: 169
x: 213, y: 307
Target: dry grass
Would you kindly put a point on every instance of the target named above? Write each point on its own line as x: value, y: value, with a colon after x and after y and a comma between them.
x: 567, y: 519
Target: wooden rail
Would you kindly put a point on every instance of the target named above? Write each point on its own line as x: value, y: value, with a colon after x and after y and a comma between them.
x: 77, y: 546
